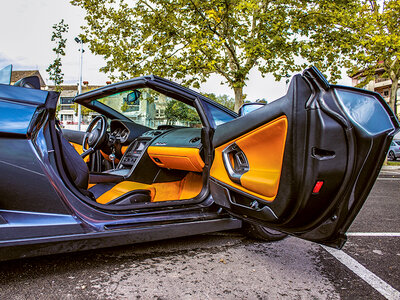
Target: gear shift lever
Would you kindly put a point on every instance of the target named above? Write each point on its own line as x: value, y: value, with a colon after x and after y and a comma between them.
x: 112, y: 158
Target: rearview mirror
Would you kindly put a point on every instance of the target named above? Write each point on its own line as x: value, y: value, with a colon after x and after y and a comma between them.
x: 133, y: 97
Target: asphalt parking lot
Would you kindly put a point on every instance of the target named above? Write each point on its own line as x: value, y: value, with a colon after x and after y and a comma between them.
x: 228, y: 265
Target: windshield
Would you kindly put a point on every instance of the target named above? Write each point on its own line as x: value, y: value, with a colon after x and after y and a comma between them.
x: 152, y: 109
x: 5, y: 75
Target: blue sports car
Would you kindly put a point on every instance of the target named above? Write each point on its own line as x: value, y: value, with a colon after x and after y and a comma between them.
x: 159, y: 161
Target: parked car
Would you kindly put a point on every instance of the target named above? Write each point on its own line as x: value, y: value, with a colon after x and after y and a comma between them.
x: 394, y: 150
x: 160, y: 161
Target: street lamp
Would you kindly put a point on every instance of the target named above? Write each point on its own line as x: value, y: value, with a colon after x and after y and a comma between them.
x: 79, y: 41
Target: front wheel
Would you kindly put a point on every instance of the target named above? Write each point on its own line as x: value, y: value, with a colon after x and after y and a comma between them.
x: 259, y: 232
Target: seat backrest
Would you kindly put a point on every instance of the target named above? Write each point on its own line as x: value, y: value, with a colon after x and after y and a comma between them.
x: 73, y: 163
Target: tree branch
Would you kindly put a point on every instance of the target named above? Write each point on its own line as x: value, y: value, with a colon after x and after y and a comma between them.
x: 218, y: 69
x: 213, y: 30
x: 148, y: 5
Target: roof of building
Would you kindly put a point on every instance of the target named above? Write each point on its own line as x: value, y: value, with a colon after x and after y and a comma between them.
x: 360, y: 73
x: 17, y: 75
x: 74, y: 87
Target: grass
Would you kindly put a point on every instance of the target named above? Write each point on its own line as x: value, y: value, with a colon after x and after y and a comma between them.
x: 393, y: 163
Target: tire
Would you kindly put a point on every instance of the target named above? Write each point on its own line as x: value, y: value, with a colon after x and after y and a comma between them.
x: 262, y: 233
x: 391, y: 156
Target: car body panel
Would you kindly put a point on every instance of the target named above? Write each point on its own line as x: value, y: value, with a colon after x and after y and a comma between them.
x: 17, y: 107
x: 23, y: 225
x: 12, y: 249
x: 23, y: 95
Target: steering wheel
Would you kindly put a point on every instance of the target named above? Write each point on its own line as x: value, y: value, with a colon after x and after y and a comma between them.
x: 95, y: 135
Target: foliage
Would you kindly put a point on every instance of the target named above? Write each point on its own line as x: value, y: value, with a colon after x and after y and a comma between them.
x: 84, y: 110
x: 225, y: 100
x: 54, y: 69
x: 361, y: 35
x: 178, y: 111
x: 189, y: 40
x: 124, y: 106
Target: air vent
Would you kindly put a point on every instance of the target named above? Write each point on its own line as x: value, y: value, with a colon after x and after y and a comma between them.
x: 195, y: 140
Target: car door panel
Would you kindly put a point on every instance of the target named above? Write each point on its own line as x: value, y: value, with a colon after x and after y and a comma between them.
x: 333, y: 150
x: 261, y: 176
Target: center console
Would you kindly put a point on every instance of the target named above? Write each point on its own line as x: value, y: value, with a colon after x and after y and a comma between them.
x: 133, y: 153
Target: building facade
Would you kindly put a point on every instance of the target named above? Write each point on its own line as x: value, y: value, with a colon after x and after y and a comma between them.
x: 67, y: 111
x: 379, y: 84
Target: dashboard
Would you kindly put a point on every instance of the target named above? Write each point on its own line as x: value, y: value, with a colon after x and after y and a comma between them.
x: 167, y: 147
x: 177, y: 148
x: 124, y: 132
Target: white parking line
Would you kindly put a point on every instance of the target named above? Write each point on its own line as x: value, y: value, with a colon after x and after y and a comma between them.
x: 374, y: 281
x: 377, y: 234
x: 391, y: 179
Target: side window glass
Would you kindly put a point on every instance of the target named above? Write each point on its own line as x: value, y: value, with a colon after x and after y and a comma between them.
x: 152, y: 109
x: 219, y: 116
x: 67, y: 113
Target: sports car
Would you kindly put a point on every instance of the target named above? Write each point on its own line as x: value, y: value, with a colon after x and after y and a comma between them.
x: 159, y: 161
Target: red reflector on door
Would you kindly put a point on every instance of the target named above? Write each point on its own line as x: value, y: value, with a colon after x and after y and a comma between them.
x: 317, y: 187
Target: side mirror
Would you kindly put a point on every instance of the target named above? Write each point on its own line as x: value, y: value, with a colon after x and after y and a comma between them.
x: 133, y: 97
x: 249, y: 107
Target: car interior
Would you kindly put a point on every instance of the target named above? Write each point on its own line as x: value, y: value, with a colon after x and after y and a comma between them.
x: 120, y: 162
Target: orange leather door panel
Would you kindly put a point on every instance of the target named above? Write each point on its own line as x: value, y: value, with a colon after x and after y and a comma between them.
x: 263, y: 148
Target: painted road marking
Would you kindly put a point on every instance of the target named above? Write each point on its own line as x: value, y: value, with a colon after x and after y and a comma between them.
x: 374, y: 281
x: 377, y: 234
x: 393, y: 179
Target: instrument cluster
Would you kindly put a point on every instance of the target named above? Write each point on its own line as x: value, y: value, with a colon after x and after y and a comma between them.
x: 120, y: 135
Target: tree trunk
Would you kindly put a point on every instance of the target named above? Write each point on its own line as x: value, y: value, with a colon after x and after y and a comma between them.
x: 238, y: 97
x: 393, y: 92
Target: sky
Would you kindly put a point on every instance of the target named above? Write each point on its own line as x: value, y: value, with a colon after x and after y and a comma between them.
x: 26, y: 29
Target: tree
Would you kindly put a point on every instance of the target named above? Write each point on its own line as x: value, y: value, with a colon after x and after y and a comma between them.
x: 189, y: 40
x: 177, y: 111
x: 361, y: 35
x: 224, y: 100
x: 377, y: 32
x: 54, y: 69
